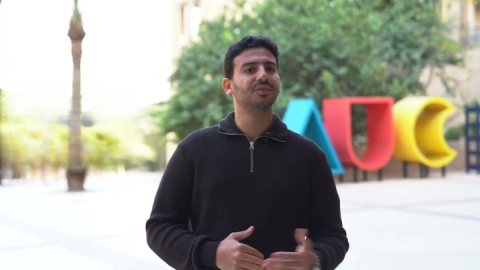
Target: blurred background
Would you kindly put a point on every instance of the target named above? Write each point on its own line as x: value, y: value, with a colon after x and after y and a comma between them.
x: 96, y: 94
x: 125, y: 64
x: 151, y: 71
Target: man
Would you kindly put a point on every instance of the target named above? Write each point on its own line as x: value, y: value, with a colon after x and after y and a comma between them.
x: 248, y: 193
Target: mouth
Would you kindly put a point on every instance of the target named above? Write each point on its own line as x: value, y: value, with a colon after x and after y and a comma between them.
x: 263, y: 88
x: 263, y: 91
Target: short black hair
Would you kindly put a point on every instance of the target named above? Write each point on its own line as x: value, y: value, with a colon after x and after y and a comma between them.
x: 247, y: 42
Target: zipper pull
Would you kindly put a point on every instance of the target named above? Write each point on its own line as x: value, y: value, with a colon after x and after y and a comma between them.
x: 251, y: 156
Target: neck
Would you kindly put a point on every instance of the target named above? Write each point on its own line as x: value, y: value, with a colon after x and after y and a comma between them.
x: 253, y: 124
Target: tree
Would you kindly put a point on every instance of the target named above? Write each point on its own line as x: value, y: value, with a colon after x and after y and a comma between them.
x: 76, y: 171
x: 327, y: 49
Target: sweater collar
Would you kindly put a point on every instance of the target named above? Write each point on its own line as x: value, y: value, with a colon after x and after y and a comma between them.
x: 277, y: 130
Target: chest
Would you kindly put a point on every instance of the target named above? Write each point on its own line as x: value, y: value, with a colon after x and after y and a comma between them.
x: 266, y: 172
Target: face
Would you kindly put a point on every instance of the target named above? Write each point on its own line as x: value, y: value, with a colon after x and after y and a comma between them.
x: 255, y: 83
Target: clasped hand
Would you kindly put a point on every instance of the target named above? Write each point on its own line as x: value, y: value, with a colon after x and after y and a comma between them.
x: 233, y: 255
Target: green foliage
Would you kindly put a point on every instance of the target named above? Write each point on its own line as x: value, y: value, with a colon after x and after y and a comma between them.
x: 31, y: 145
x: 24, y: 147
x: 455, y: 133
x: 327, y: 49
x: 108, y: 147
x: 76, y: 18
x: 102, y: 149
x: 32, y: 136
x: 458, y: 131
x: 157, y: 142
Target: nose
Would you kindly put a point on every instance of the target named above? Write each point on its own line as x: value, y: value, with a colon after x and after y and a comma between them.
x: 262, y: 74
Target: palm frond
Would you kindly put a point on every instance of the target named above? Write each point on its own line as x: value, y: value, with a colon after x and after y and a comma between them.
x: 76, y: 18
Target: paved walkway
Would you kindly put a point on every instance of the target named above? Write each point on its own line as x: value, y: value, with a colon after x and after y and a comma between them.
x: 394, y: 224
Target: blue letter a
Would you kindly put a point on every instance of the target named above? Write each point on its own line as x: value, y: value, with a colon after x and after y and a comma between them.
x: 302, y: 116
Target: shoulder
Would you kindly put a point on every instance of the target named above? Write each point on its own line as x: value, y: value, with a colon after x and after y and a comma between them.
x: 196, y: 142
x: 199, y: 136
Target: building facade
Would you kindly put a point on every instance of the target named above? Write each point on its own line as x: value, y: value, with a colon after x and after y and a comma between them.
x: 463, y: 16
x: 187, y: 16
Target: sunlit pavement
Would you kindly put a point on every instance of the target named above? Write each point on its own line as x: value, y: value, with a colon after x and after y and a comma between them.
x: 393, y: 224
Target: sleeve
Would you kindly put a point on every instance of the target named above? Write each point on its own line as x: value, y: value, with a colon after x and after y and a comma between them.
x: 168, y: 233
x: 325, y: 224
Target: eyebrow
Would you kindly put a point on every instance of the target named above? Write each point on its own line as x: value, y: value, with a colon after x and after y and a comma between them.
x: 254, y: 63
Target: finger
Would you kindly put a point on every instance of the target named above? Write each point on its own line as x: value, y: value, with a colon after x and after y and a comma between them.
x: 304, y: 242
x: 250, y: 265
x: 309, y: 244
x: 241, y: 235
x: 285, y: 255
x: 251, y: 251
x: 281, y: 263
x: 301, y: 235
x: 293, y: 260
x: 306, y: 246
x: 256, y: 268
x: 254, y: 260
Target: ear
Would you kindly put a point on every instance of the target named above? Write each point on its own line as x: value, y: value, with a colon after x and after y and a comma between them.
x: 227, y: 86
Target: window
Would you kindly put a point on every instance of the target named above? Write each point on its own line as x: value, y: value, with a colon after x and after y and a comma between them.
x: 196, y: 18
x: 183, y: 8
x: 190, y: 17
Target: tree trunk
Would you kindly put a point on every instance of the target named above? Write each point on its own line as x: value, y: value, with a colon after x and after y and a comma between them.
x: 17, y: 171
x: 76, y: 171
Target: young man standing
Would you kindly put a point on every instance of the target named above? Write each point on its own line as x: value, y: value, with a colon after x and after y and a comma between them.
x: 248, y: 193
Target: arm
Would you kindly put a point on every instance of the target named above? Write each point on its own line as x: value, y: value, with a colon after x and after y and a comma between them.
x: 326, y: 229
x: 168, y: 234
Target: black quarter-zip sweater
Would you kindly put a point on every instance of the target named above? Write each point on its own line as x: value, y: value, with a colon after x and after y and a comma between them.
x: 217, y: 182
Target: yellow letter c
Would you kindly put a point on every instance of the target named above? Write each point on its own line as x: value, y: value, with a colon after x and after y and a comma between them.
x: 419, y: 124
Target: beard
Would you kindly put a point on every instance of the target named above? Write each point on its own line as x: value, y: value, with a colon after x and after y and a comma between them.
x: 244, y: 98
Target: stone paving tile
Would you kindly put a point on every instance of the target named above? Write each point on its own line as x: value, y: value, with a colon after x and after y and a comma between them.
x: 392, y: 224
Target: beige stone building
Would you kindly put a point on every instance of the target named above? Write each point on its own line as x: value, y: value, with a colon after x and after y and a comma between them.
x: 463, y: 16
x: 187, y: 16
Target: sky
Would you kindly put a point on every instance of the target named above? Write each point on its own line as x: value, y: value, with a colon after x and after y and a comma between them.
x: 126, y: 57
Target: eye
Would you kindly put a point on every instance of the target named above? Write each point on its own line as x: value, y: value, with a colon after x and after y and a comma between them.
x: 271, y: 69
x: 249, y: 70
